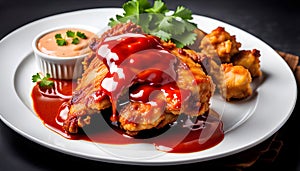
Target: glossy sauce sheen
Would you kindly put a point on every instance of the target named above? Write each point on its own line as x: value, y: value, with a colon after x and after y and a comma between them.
x: 205, y: 132
x: 138, y: 59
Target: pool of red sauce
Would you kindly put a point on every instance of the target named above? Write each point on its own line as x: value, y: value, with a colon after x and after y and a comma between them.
x: 185, y: 135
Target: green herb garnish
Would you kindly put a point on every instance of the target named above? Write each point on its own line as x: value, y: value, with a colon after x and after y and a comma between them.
x: 157, y: 20
x: 81, y: 35
x: 59, y: 40
x: 71, y: 34
x: 43, y: 82
x: 58, y: 36
x: 75, y: 41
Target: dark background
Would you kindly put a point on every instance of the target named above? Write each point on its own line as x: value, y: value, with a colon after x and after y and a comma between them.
x: 275, y: 22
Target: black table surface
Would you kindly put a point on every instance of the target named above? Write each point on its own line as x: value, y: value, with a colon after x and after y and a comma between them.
x: 275, y: 22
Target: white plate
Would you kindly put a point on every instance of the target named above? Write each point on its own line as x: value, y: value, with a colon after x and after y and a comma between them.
x: 246, y: 124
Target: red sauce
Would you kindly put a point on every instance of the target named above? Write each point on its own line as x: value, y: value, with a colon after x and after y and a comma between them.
x: 186, y: 135
x: 135, y: 58
x: 138, y: 59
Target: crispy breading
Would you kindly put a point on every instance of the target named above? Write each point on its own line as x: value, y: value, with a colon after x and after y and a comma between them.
x: 137, y: 116
x: 143, y: 116
x: 86, y: 98
x: 236, y: 82
x: 250, y: 60
x: 220, y: 45
x: 228, y: 66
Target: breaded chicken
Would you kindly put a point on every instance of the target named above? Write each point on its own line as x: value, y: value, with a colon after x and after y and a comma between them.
x: 138, y: 116
x: 250, y: 60
x: 190, y: 95
x: 228, y: 66
x: 87, y: 99
x: 143, y: 116
x: 220, y: 45
x: 236, y: 82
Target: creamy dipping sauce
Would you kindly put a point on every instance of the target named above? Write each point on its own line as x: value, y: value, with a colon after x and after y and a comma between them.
x: 47, y: 43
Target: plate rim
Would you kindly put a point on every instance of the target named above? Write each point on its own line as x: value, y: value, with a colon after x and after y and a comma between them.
x: 115, y: 160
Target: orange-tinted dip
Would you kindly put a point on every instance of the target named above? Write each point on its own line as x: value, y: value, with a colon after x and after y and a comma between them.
x: 47, y: 43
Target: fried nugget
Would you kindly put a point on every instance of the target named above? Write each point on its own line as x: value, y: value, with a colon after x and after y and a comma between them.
x: 220, y: 45
x: 250, y: 60
x: 236, y: 82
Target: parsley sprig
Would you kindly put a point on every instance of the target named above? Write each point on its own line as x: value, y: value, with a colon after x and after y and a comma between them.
x: 157, y: 20
x: 43, y: 81
x: 59, y: 40
x: 71, y: 34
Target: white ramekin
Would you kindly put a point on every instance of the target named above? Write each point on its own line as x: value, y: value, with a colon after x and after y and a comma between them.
x: 58, y: 67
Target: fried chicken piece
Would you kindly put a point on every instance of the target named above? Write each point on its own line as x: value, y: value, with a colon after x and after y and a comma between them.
x: 143, y: 116
x: 250, y: 60
x: 236, y: 82
x: 87, y: 99
x: 232, y: 81
x: 231, y: 71
x: 217, y: 44
x: 202, y: 88
x: 220, y: 45
x: 118, y: 29
x: 164, y: 110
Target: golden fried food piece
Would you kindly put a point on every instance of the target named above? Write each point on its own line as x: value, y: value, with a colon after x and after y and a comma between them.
x: 86, y: 98
x: 236, y: 82
x: 184, y: 88
x: 193, y: 71
x: 220, y: 45
x: 250, y: 60
x: 231, y: 69
x: 142, y: 116
x: 139, y: 116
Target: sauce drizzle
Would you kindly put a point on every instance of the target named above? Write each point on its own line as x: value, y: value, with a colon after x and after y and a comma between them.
x: 185, y: 136
x: 135, y: 58
x: 138, y: 67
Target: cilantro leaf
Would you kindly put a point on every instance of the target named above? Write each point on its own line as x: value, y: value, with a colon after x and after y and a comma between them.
x: 42, y: 82
x: 75, y: 41
x: 185, y: 39
x: 163, y: 35
x: 158, y: 7
x: 70, y: 33
x: 135, y: 7
x: 131, y: 8
x: 61, y: 42
x: 171, y: 25
x: 36, y: 78
x: 183, y: 13
x: 143, y: 4
x: 81, y: 35
x: 58, y: 36
x: 154, y: 20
